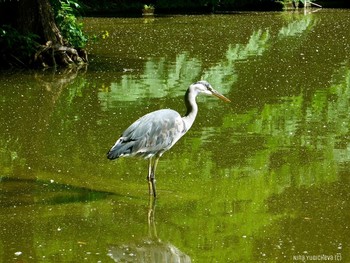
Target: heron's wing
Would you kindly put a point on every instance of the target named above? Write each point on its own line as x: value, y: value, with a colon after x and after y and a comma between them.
x: 155, y: 132
x: 152, y: 134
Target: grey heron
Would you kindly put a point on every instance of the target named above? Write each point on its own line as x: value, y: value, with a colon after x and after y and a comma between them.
x: 156, y: 132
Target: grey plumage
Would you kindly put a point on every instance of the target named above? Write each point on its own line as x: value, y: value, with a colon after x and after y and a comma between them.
x: 156, y: 132
x: 152, y: 134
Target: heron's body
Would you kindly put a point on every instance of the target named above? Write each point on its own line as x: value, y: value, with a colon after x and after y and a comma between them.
x: 151, y: 135
x: 156, y: 132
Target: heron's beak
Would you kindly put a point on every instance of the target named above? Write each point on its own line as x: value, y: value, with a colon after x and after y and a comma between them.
x: 220, y: 96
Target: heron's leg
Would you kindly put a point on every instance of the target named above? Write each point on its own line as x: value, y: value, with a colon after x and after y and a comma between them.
x: 149, y: 176
x: 153, y: 175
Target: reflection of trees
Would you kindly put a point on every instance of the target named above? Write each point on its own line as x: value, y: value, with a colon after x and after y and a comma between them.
x: 223, y: 73
x: 161, y: 78
x: 297, y: 27
x: 316, y: 125
x: 149, y: 249
x: 285, y: 143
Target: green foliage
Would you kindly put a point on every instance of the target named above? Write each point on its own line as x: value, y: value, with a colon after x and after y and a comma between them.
x: 16, y: 46
x: 148, y: 7
x: 71, y: 29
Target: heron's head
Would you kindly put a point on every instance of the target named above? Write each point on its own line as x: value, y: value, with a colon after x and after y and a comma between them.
x: 205, y: 88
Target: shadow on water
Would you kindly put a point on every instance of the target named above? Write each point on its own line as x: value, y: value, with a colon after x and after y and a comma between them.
x: 21, y: 192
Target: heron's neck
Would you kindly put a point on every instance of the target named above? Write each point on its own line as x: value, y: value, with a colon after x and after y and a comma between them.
x: 192, y: 108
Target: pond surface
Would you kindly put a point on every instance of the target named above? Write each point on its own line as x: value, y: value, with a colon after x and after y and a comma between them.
x: 262, y: 179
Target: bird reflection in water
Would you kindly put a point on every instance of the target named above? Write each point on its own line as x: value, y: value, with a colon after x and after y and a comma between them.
x: 149, y: 249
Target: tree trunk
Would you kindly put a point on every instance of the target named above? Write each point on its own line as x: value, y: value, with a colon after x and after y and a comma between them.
x: 36, y: 17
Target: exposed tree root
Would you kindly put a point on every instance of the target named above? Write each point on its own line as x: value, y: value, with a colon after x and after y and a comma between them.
x: 52, y: 55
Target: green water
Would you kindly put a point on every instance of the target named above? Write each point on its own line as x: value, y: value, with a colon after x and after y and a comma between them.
x: 262, y: 179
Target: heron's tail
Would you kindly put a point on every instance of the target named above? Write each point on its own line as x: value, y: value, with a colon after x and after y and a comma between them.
x: 113, y: 154
x: 120, y: 148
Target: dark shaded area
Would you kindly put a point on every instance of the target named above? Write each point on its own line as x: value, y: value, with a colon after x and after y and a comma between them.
x: 30, y: 36
x: 33, y: 17
x: 24, y: 26
x: 134, y: 8
x: 23, y: 192
x: 334, y: 3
